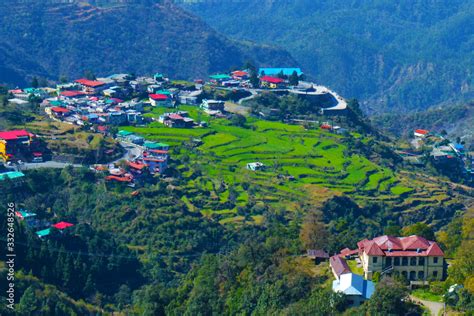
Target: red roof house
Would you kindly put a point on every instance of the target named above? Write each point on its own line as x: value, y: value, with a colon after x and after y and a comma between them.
x: 159, y: 97
x: 421, y: 132
x: 71, y: 94
x: 240, y: 74
x: 15, y: 134
x: 135, y: 165
x: 270, y: 79
x: 59, y: 110
x: 62, y: 225
x: 338, y: 266
x: 90, y: 83
x: 389, y: 246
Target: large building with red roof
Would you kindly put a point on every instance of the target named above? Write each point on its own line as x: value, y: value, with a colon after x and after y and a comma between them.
x: 272, y: 82
x: 414, y: 257
x: 15, y: 143
x: 92, y: 86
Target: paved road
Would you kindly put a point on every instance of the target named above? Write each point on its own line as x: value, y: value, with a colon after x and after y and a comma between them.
x: 47, y: 164
x: 435, y: 307
x: 132, y: 151
x: 253, y: 95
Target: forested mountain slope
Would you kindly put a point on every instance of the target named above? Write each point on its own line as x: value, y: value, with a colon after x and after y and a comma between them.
x: 64, y: 39
x: 393, y: 55
x: 456, y: 120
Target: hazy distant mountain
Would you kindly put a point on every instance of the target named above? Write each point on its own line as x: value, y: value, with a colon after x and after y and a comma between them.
x: 142, y: 36
x: 395, y: 55
x: 456, y: 120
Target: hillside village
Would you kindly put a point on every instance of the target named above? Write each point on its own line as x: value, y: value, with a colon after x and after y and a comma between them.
x: 123, y: 107
x: 102, y: 104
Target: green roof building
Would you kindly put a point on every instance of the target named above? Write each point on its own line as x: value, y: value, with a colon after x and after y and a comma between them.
x: 220, y: 77
x: 11, y: 175
x: 165, y: 92
x: 44, y: 232
x: 123, y: 133
x: 56, y: 103
x: 153, y: 145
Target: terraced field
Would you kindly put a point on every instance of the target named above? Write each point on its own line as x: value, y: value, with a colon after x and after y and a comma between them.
x: 317, y: 160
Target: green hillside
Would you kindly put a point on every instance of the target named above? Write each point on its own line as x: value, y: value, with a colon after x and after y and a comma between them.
x: 393, y: 55
x: 212, y: 236
x: 321, y: 163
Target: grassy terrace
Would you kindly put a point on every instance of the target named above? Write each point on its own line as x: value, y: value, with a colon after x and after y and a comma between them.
x: 316, y: 158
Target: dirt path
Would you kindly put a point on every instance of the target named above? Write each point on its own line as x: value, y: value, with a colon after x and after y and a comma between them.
x: 435, y: 307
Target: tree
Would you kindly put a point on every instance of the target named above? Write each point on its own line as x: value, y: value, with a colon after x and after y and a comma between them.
x: 238, y: 120
x: 419, y: 229
x: 28, y: 302
x: 392, y: 230
x: 123, y: 296
x: 250, y: 67
x: 63, y: 79
x: 294, y: 80
x: 42, y: 82
x: 254, y: 81
x: 313, y: 233
x: 389, y: 299
x: 34, y: 82
x: 89, y: 75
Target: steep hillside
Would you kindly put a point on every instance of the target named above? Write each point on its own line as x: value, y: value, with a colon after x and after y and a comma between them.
x: 456, y: 120
x: 393, y: 55
x: 56, y: 40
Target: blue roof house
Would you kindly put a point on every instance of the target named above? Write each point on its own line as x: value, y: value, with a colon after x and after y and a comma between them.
x: 276, y: 71
x: 355, y: 287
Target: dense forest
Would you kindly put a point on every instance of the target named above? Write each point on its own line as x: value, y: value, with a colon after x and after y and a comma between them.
x: 149, y: 254
x: 65, y: 39
x: 394, y: 56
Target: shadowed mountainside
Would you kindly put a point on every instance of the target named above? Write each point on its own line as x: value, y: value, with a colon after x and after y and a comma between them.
x: 52, y: 40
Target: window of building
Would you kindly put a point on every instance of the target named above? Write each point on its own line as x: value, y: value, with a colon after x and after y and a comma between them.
x: 412, y: 275
x: 421, y: 261
x: 435, y: 259
x: 404, y: 261
x: 388, y: 261
x: 421, y: 275
x: 396, y: 261
x: 374, y: 259
x: 405, y: 274
x: 435, y: 274
x: 413, y: 261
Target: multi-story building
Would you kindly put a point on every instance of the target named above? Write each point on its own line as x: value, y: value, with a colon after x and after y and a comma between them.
x: 413, y: 257
x: 15, y: 144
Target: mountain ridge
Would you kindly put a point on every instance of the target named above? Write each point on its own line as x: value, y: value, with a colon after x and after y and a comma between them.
x: 407, y: 55
x: 67, y: 39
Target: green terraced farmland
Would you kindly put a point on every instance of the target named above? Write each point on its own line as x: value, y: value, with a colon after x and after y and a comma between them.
x: 315, y: 158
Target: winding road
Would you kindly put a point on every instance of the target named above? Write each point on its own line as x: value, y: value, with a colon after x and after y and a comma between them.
x: 131, y: 151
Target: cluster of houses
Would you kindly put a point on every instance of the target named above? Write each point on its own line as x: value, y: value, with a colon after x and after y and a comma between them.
x: 152, y: 160
x: 415, y: 258
x: 179, y: 119
x: 120, y: 99
x: 42, y: 227
x: 269, y: 78
x: 443, y: 152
